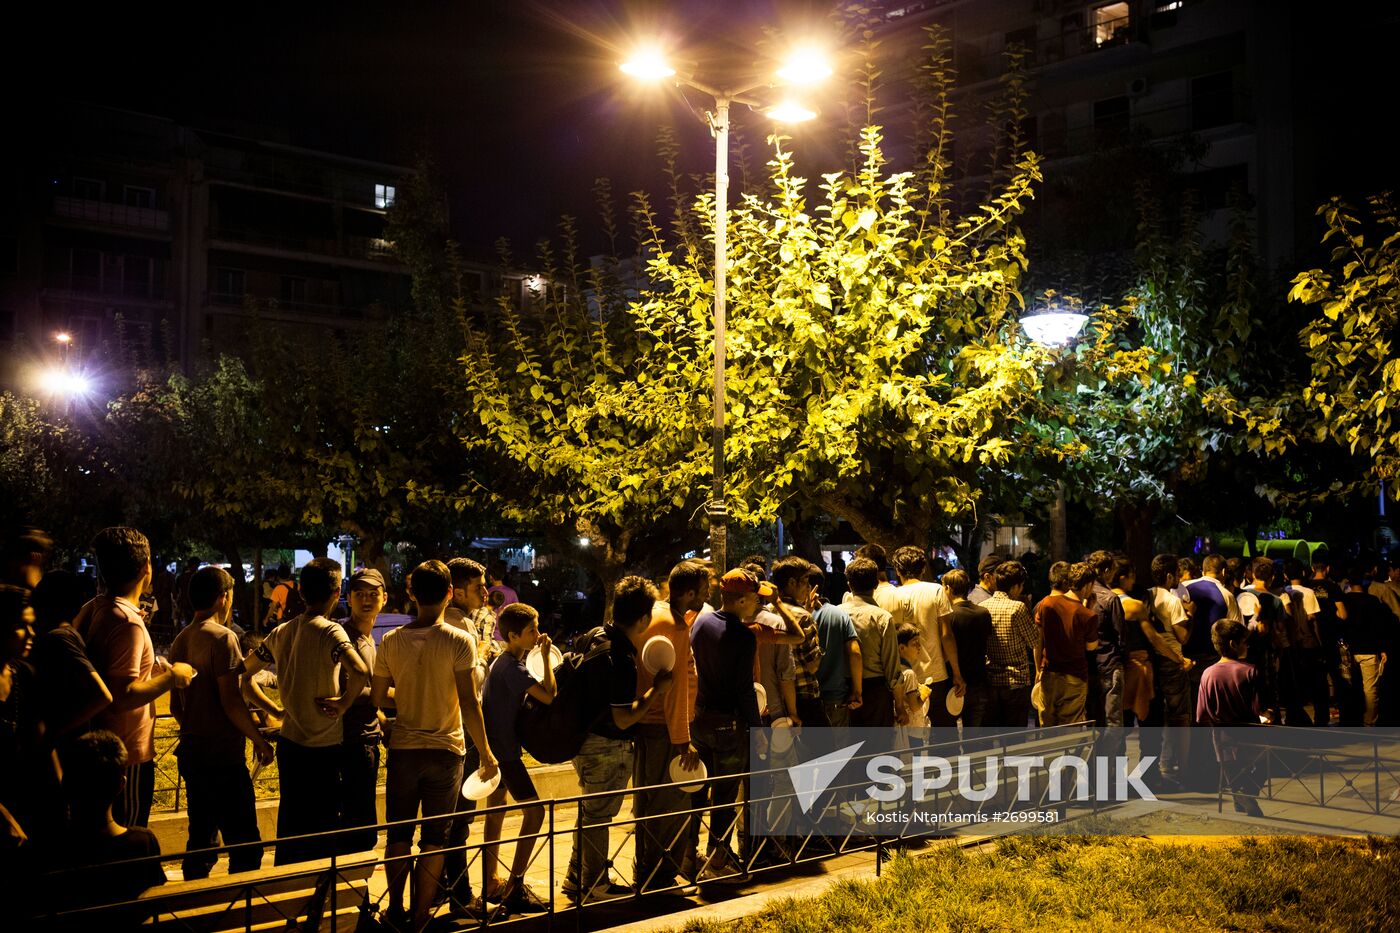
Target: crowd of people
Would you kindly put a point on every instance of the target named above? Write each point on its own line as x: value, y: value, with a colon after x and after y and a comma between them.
x: 1222, y: 642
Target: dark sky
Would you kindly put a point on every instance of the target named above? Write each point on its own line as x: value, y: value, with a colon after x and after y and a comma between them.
x: 520, y: 103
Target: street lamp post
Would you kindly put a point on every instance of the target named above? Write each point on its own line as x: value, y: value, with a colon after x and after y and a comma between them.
x: 803, y: 67
x: 1054, y: 328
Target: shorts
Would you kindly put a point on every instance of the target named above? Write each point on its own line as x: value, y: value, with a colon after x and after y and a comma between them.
x: 516, y: 779
x: 429, y: 777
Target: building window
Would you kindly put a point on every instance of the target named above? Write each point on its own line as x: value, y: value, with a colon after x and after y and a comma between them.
x: 136, y: 196
x: 383, y: 196
x: 89, y: 189
x: 228, y: 283
x: 85, y: 266
x: 1111, y: 115
x: 1110, y: 24
x: 1026, y: 39
x: 1212, y: 100
x: 1215, y: 186
x: 293, y: 289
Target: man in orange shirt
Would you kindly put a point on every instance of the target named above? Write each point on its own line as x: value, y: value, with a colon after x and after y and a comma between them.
x: 664, y: 733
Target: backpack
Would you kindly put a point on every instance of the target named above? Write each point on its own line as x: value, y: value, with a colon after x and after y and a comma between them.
x: 294, y: 606
x: 553, y: 733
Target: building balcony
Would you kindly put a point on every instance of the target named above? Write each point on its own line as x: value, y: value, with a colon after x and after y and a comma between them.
x: 283, y: 306
x: 112, y: 215
x: 349, y: 247
x: 90, y: 286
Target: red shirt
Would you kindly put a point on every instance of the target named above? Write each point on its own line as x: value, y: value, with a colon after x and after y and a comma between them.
x: 1067, y: 626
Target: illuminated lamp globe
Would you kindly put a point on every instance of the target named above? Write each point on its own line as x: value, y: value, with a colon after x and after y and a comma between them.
x: 791, y: 112
x: 805, y: 66
x: 1054, y: 328
x: 647, y: 65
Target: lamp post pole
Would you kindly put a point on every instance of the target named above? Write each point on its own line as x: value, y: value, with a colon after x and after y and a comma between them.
x: 1054, y: 328
x: 718, y: 511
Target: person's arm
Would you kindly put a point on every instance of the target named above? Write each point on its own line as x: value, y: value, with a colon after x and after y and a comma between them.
x: 252, y: 692
x: 950, y: 651
x: 545, y: 690
x: 1167, y: 647
x: 625, y: 717
x: 889, y: 656
x: 795, y: 633
x: 472, y: 720
x: 130, y: 693
x: 236, y: 709
x: 355, y: 680
x: 855, y: 664
x: 381, y: 691
x: 98, y: 699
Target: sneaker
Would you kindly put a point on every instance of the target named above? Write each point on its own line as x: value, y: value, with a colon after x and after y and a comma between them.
x: 608, y: 892
x: 721, y: 865
x: 522, y: 899
x: 396, y: 920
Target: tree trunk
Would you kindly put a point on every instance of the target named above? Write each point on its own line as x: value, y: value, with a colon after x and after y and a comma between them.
x: 1136, y: 520
x: 243, y: 594
x: 605, y: 557
x: 873, y: 529
x: 804, y: 541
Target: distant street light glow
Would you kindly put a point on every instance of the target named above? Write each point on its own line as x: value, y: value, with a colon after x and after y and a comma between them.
x: 791, y: 112
x: 647, y: 65
x: 63, y: 337
x: 805, y: 66
x: 65, y: 383
x: 1054, y: 328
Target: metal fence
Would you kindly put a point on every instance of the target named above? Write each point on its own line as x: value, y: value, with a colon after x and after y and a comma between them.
x: 281, y: 895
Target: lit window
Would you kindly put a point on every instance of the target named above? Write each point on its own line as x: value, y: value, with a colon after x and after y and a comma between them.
x: 1110, y: 23
x: 383, y: 196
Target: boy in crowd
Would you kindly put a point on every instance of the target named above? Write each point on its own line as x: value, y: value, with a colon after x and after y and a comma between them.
x: 911, y: 692
x: 71, y: 692
x: 986, y: 579
x: 425, y: 671
x: 100, y: 846
x: 605, y: 761
x: 309, y: 651
x: 664, y: 733
x: 120, y: 649
x: 879, y: 647
x: 1229, y: 696
x: 972, y: 630
x: 792, y: 577
x: 507, y: 685
x: 1172, y: 706
x: 363, y: 729
x: 1070, y: 630
x: 839, y: 674
x: 215, y: 727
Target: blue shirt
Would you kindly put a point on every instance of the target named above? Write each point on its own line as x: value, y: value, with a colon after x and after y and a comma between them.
x: 834, y: 631
x: 1112, y: 628
x: 501, y: 699
x: 724, y: 650
x: 1208, y: 606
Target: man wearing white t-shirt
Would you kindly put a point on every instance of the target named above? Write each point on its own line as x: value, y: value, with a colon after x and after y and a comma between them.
x: 926, y: 605
x: 309, y: 651
x: 1170, y: 666
x: 425, y: 670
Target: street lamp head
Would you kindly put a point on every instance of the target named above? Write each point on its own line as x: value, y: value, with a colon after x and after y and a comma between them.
x: 1054, y: 328
x: 647, y: 65
x: 790, y: 111
x: 63, y: 337
x: 805, y: 65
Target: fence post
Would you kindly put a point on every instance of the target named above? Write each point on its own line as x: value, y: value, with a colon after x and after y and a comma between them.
x: 549, y: 919
x: 1376, y: 771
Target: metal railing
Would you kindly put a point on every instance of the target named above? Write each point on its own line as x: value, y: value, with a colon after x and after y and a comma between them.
x: 249, y: 896
x: 117, y: 215
x: 1339, y: 769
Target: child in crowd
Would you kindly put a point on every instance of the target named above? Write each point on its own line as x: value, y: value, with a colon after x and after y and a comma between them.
x: 507, y: 685
x: 1230, y: 696
x: 913, y: 694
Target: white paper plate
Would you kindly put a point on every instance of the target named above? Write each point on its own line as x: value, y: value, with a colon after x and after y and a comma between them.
x: 534, y: 661
x: 955, y: 703
x: 679, y: 773
x: 781, y: 736
x: 474, y: 788
x: 658, y: 654
x: 762, y: 697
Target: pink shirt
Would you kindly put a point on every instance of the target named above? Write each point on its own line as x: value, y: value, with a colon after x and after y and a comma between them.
x: 120, y: 648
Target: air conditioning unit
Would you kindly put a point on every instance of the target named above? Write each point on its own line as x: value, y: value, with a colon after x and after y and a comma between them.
x: 1137, y: 86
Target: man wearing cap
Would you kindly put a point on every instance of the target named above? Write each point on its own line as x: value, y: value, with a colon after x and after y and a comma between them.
x: 986, y: 575
x: 359, y: 748
x: 726, y: 705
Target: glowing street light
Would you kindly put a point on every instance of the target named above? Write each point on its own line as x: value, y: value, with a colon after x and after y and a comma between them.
x: 805, y: 67
x: 790, y: 111
x: 65, y: 383
x: 647, y: 65
x: 1054, y: 328
x: 63, y: 337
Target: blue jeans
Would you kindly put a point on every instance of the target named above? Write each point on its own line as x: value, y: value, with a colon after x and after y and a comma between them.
x: 602, y: 764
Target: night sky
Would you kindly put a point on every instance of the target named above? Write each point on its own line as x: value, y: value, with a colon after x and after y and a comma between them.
x: 520, y: 103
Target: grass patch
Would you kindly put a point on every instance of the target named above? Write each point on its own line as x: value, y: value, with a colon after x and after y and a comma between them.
x: 1053, y: 882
